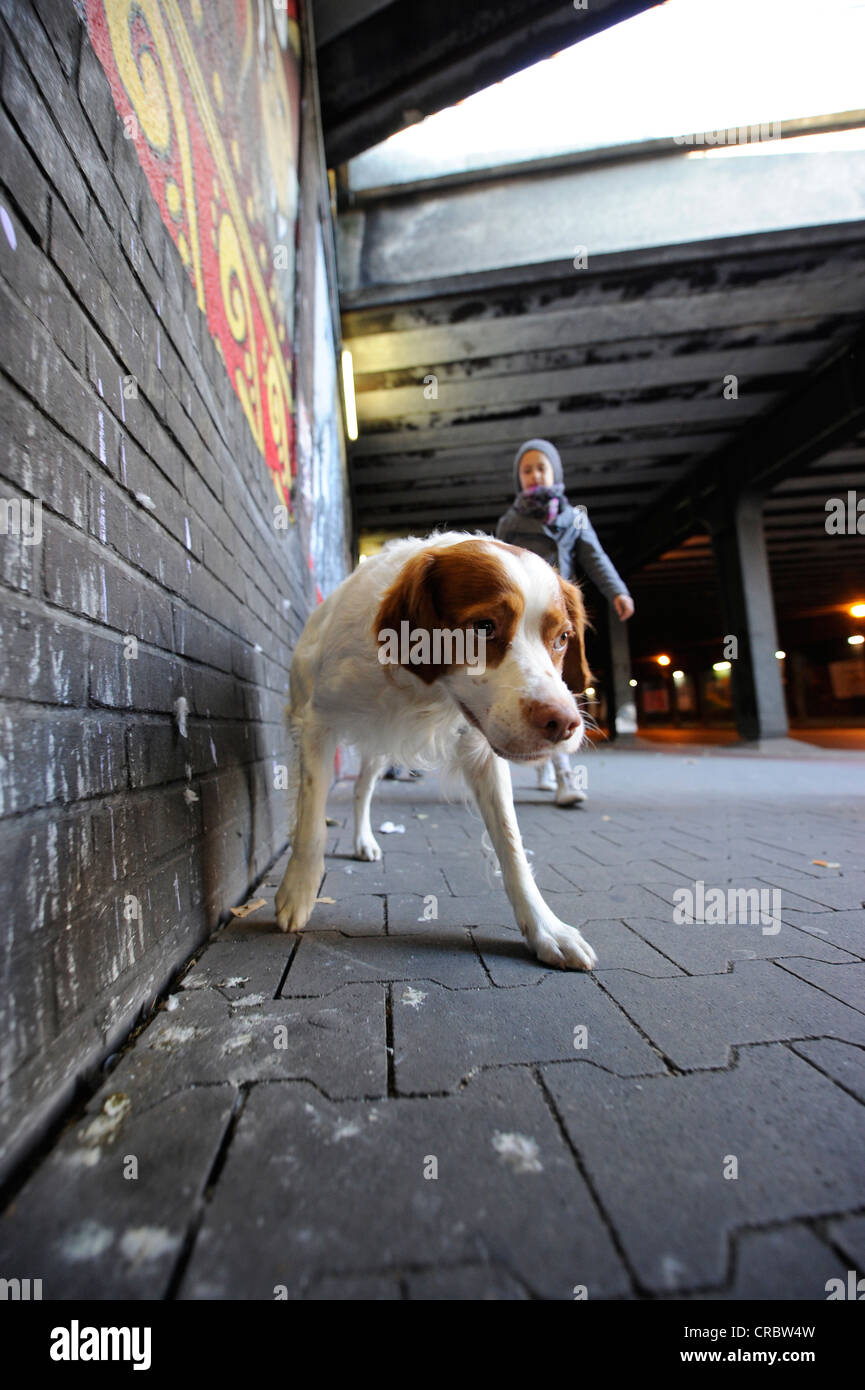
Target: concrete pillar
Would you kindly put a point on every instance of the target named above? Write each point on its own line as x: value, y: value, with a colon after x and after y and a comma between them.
x: 739, y: 544
x: 621, y: 704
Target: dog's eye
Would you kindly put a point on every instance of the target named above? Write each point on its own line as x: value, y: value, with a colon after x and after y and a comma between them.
x: 561, y: 642
x: 485, y: 625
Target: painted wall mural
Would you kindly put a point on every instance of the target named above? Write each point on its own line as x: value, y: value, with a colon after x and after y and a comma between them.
x: 209, y: 90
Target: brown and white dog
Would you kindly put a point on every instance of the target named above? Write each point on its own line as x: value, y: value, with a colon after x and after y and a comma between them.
x: 518, y: 704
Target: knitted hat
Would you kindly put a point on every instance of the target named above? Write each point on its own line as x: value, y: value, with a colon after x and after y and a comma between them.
x: 545, y: 447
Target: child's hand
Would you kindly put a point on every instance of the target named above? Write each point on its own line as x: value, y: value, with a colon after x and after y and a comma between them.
x: 624, y: 606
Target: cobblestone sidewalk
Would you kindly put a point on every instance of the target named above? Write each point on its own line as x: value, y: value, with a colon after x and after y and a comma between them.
x: 403, y: 1103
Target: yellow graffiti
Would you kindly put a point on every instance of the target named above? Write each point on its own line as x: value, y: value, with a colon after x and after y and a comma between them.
x: 234, y: 283
x: 223, y: 163
x: 154, y: 101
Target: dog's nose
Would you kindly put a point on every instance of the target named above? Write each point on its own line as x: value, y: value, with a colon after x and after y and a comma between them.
x: 554, y: 719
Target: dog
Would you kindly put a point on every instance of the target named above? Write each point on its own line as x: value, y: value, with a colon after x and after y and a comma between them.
x: 411, y: 702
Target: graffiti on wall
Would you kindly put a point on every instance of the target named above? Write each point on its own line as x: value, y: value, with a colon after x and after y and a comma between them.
x: 209, y: 91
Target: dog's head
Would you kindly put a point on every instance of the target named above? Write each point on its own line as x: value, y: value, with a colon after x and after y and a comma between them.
x: 502, y: 632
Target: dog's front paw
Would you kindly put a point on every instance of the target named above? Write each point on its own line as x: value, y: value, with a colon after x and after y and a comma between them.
x: 367, y: 847
x: 295, y: 897
x: 557, y: 944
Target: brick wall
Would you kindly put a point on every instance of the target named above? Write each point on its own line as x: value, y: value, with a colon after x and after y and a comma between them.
x: 159, y: 577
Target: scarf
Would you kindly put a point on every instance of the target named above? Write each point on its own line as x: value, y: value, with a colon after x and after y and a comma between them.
x: 543, y: 503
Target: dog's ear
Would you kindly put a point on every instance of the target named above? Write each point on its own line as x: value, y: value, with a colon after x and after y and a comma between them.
x: 575, y: 671
x: 411, y: 599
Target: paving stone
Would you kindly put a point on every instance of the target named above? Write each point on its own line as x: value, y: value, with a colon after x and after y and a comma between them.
x: 338, y: 1043
x: 787, y: 901
x: 843, y: 1062
x: 631, y: 900
x: 604, y: 876
x: 842, y: 892
x: 87, y: 1229
x: 471, y: 1010
x: 470, y: 878
x: 849, y: 1233
x: 407, y: 873
x: 846, y: 930
x: 355, y: 914
x: 562, y: 879
x: 351, y: 877
x: 394, y: 873
x: 656, y: 1150
x: 505, y: 953
x: 734, y: 869
x: 476, y: 1284
x: 325, y: 961
x: 360, y: 915
x: 844, y: 982
x: 792, y: 1263
x: 696, y: 1020
x: 354, y: 1288
x: 250, y: 961
x: 444, y: 1036
x: 789, y: 1264
x: 705, y: 948
x: 310, y: 1188
x: 405, y: 912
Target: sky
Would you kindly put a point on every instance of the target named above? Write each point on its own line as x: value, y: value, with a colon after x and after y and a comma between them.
x: 683, y: 66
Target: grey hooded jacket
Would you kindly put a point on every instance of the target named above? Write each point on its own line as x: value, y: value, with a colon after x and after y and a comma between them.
x: 569, y: 543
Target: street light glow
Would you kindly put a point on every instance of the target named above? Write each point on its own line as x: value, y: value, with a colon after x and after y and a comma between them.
x: 663, y: 661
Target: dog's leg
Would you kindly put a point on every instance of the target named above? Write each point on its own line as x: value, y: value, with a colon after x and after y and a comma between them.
x: 551, y: 940
x: 365, y: 844
x: 295, y: 897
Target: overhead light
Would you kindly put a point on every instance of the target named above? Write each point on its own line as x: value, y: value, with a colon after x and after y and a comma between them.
x: 663, y: 661
x: 781, y: 655
x: 857, y: 610
x: 678, y: 675
x: 348, y: 394
x: 856, y: 640
x: 721, y: 665
x: 632, y: 684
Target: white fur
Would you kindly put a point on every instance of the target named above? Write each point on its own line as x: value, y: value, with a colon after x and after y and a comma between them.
x: 340, y: 693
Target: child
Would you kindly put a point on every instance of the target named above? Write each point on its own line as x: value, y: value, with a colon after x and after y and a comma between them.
x: 543, y: 520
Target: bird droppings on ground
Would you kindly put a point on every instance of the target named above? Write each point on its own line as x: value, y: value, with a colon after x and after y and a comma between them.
x: 413, y: 997
x: 346, y: 1129
x: 104, y: 1128
x: 86, y: 1241
x: 147, y: 1243
x: 518, y: 1151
